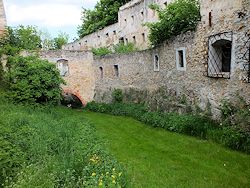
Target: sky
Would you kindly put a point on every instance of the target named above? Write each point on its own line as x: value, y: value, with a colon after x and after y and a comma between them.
x: 50, y: 16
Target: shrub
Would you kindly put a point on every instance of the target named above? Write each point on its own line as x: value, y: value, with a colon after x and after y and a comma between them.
x: 33, y: 80
x: 101, y: 51
x: 178, y: 17
x: 122, y: 48
x: 117, y: 95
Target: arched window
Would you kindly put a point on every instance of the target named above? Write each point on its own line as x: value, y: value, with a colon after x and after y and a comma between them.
x: 219, y: 55
x: 63, y: 66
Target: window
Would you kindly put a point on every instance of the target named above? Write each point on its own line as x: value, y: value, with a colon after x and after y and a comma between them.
x: 101, y: 72
x: 134, y: 40
x: 107, y: 34
x: 62, y: 65
x: 181, y: 59
x: 210, y: 19
x: 143, y: 37
x: 219, y: 55
x: 133, y: 19
x: 156, y: 63
x: 116, y: 68
x: 114, y: 32
x: 121, y: 40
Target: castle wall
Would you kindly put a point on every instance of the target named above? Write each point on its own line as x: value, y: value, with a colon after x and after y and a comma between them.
x: 79, y: 79
x: 185, y: 71
x: 136, y: 71
x: 130, y: 28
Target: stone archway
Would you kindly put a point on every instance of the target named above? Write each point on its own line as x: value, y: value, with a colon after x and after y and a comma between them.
x: 73, y: 98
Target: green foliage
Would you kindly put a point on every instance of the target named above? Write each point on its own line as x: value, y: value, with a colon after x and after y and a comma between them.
x: 24, y: 37
x: 178, y: 17
x: 125, y: 48
x: 119, y: 48
x: 52, y: 147
x: 194, y: 125
x: 60, y: 40
x: 117, y: 95
x: 101, y: 51
x: 105, y: 13
x: 33, y: 80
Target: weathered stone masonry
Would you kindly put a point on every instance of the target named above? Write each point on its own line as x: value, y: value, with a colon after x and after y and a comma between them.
x: 198, y: 68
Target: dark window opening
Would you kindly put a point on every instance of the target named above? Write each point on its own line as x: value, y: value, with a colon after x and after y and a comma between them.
x: 181, y: 58
x: 114, y: 32
x: 121, y: 40
x: 210, y: 19
x: 101, y: 72
x: 226, y: 57
x: 116, y: 68
x: 107, y: 34
x: 134, y: 40
x: 156, y: 63
x: 143, y: 37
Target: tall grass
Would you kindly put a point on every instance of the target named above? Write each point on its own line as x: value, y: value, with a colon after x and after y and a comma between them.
x: 52, y: 147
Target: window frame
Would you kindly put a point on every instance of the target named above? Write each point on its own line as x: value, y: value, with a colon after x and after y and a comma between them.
x: 177, y: 56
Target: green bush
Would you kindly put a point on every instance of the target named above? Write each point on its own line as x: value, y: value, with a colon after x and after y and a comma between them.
x: 117, y: 95
x: 178, y: 17
x: 193, y: 125
x: 122, y: 48
x: 101, y: 51
x: 33, y: 80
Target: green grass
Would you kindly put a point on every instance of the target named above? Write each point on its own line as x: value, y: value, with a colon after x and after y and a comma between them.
x: 51, y: 147
x: 157, y: 158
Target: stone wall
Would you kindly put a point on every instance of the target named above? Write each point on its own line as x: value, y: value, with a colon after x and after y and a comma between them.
x: 80, y: 80
x: 2, y: 18
x: 130, y: 28
x: 136, y: 71
x: 175, y: 75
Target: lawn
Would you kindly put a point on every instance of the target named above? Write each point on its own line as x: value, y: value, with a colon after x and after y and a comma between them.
x: 157, y: 158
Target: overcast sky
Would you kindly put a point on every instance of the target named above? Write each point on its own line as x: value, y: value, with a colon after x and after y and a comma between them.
x: 50, y: 15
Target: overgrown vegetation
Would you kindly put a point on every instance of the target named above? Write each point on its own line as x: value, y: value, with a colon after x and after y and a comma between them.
x: 105, y: 13
x: 52, y: 147
x: 178, y: 17
x: 32, y: 80
x: 101, y: 51
x: 28, y: 79
x: 202, y: 127
x: 117, y: 96
x: 120, y: 48
x: 124, y: 48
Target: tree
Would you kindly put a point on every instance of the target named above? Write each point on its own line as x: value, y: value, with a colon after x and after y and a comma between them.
x: 178, y: 17
x: 61, y: 40
x: 105, y: 13
x: 33, y: 80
